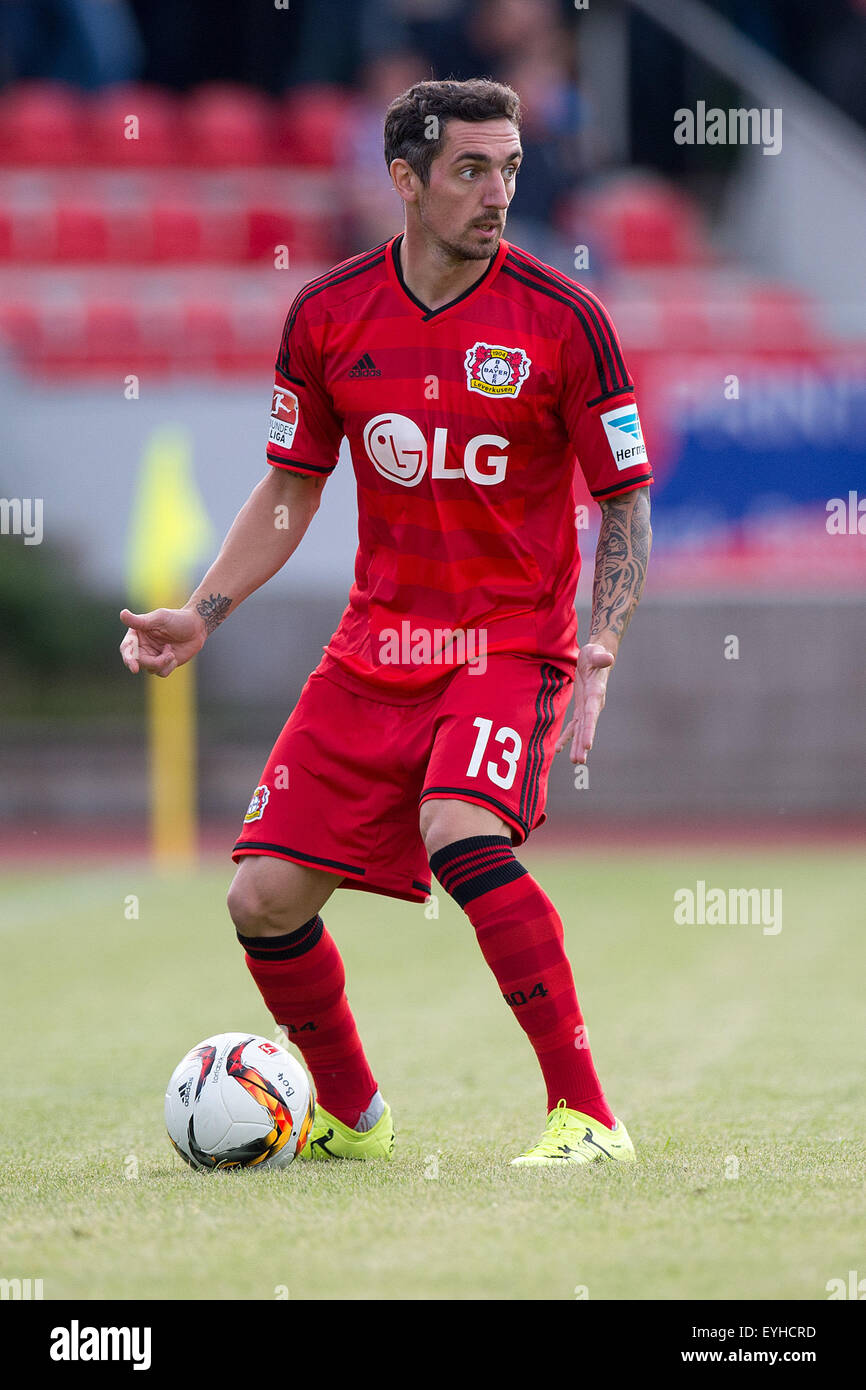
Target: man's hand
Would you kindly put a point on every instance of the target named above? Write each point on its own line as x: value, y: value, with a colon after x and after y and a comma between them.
x: 161, y: 641
x: 254, y: 549
x: 590, y: 686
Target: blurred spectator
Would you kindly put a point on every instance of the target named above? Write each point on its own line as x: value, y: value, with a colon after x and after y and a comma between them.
x: 338, y: 41
x: 433, y: 28
x: 553, y: 115
x: 457, y: 38
x: 376, y: 210
x: 87, y: 43
x: 500, y: 31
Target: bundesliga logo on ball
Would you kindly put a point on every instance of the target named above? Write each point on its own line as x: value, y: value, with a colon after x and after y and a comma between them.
x: 497, y: 371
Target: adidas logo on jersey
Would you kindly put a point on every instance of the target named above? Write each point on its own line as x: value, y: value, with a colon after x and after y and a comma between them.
x: 365, y: 366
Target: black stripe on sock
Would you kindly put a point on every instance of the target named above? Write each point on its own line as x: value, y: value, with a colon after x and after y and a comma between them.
x: 287, y: 947
x: 496, y: 866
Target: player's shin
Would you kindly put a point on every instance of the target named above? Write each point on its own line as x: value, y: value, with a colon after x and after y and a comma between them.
x: 301, y: 978
x: 521, y: 937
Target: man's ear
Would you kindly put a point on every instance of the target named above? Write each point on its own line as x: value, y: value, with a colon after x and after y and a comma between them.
x: 405, y: 180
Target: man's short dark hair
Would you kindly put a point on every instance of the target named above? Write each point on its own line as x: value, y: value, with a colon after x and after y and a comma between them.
x: 415, y: 121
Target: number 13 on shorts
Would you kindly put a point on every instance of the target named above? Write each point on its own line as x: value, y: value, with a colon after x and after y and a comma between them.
x: 500, y: 758
x: 508, y: 754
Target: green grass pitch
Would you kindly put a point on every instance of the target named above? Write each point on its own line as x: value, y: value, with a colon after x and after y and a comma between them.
x: 734, y: 1056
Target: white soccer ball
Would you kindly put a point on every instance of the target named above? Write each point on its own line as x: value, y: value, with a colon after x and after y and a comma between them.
x: 238, y: 1101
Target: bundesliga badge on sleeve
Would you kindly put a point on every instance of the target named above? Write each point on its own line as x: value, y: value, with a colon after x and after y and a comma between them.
x: 284, y: 417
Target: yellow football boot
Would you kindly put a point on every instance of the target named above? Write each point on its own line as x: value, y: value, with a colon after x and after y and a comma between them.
x: 330, y: 1138
x: 572, y: 1137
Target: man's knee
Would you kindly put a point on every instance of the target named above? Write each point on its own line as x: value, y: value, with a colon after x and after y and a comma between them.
x: 442, y: 821
x: 269, y: 896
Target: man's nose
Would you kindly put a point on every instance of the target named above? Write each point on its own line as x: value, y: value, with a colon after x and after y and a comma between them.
x: 495, y: 192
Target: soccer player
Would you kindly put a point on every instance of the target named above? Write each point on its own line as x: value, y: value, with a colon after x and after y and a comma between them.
x: 467, y: 377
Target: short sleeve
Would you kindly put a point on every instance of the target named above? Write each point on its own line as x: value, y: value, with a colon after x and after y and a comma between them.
x: 598, y: 403
x: 305, y: 433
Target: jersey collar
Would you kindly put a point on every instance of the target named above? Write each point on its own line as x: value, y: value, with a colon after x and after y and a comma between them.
x: 395, y: 275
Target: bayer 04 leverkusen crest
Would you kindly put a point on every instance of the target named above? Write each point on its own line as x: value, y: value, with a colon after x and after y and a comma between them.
x: 496, y: 371
x: 256, y: 808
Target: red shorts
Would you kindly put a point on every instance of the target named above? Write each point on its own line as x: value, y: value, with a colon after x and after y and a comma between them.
x: 342, y: 787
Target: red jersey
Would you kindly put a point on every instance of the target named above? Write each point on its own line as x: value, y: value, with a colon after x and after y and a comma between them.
x: 464, y: 425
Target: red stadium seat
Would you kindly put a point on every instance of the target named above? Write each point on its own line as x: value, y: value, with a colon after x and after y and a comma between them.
x: 82, y: 232
x: 34, y: 232
x: 223, y: 234
x: 177, y: 232
x: 111, y: 333
x: 156, y: 130
x: 228, y: 127
x: 685, y: 322
x: 130, y: 233
x: 256, y: 328
x: 309, y: 236
x: 207, y: 335
x: 40, y: 124
x: 20, y: 327
x: 7, y: 234
x: 267, y: 228
x: 313, y: 126
x: 637, y: 221
x: 782, y: 318
x: 161, y: 331
x: 62, y: 331
x: 694, y: 311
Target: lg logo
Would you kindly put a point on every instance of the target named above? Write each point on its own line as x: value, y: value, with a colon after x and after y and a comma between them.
x: 397, y: 448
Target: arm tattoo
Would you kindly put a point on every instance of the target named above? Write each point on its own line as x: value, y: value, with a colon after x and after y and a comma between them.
x: 620, y: 562
x: 213, y: 609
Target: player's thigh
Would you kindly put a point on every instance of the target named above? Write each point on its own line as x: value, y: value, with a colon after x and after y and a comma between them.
x: 270, y: 896
x: 339, y: 791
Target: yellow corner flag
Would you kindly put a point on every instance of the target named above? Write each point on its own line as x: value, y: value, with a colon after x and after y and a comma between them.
x: 170, y: 533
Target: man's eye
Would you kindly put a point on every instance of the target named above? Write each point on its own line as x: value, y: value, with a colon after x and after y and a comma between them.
x: 470, y: 172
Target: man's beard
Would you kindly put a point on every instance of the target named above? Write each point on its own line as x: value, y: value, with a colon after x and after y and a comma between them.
x: 457, y: 251
x: 482, y: 251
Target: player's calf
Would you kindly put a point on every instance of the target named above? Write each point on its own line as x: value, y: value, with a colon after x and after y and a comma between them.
x: 299, y: 973
x: 521, y: 937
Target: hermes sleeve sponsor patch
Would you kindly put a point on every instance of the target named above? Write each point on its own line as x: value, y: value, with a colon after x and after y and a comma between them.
x: 625, y: 436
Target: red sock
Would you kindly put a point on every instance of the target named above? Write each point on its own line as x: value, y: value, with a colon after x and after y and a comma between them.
x: 520, y: 934
x: 301, y: 978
